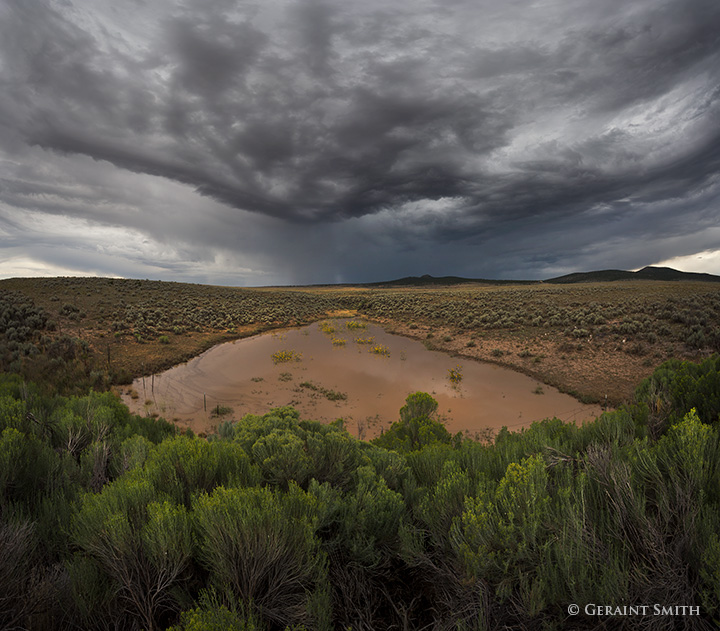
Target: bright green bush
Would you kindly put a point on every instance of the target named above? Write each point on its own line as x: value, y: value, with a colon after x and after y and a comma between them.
x: 182, y: 467
x: 282, y: 458
x: 677, y: 386
x: 416, y: 428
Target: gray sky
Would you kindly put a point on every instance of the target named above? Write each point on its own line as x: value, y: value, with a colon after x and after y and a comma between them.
x: 305, y: 141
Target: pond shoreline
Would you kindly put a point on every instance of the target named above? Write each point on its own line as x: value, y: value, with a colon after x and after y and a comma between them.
x: 418, y: 334
x: 340, y: 377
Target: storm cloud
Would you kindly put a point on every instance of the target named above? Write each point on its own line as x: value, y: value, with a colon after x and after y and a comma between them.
x: 305, y: 141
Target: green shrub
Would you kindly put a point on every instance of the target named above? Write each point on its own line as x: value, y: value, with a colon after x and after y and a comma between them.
x: 213, y: 615
x: 139, y: 541
x: 416, y: 427
x: 260, y: 549
x: 182, y: 467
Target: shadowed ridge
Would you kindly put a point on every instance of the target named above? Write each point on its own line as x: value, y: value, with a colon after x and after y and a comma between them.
x: 427, y: 280
x: 646, y: 273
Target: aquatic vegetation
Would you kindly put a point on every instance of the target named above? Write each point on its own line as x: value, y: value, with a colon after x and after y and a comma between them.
x: 355, y: 324
x: 330, y: 395
x: 338, y: 341
x: 365, y: 340
x: 326, y: 327
x: 380, y: 349
x: 284, y: 356
x: 455, y: 375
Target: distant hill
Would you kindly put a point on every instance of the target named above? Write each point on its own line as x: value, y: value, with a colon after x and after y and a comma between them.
x: 427, y: 280
x: 601, y: 276
x: 646, y: 273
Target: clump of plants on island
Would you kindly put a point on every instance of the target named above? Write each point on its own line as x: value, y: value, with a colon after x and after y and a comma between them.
x: 455, y: 375
x: 330, y: 395
x: 285, y: 356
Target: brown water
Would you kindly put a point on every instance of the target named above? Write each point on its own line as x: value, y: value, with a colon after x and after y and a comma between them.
x: 243, y: 376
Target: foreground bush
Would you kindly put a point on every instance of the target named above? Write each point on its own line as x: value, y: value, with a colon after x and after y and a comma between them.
x: 109, y: 521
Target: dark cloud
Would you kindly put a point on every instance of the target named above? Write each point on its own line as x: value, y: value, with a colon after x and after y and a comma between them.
x: 465, y: 137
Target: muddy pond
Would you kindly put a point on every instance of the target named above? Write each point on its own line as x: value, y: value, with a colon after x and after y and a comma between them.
x: 346, y: 369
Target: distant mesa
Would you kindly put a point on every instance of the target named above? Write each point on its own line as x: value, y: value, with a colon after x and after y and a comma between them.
x: 646, y: 273
x: 601, y: 276
x: 426, y: 280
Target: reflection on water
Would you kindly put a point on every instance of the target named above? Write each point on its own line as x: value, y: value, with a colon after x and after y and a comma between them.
x: 357, y: 372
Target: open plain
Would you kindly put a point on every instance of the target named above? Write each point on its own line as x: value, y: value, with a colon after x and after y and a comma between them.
x: 595, y: 341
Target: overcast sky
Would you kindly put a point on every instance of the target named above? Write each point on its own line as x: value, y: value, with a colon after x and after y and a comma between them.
x: 306, y: 141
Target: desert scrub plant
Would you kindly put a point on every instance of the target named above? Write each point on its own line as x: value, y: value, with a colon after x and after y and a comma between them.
x: 139, y: 541
x: 503, y: 531
x: 418, y: 426
x: 259, y: 547
x: 430, y: 345
x: 26, y: 589
x: 285, y: 356
x: 636, y: 349
x: 213, y: 615
x: 355, y: 324
x: 70, y: 311
x: 164, y: 339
